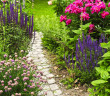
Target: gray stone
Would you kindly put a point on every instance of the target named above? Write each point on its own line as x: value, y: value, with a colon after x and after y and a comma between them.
x: 39, y: 67
x: 50, y: 75
x: 46, y: 72
x: 54, y: 87
x: 47, y: 66
x: 44, y: 77
x: 46, y: 87
x: 51, y: 81
x: 49, y: 93
x: 57, y: 92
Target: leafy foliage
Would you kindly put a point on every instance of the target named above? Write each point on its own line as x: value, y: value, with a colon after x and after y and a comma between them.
x: 101, y: 86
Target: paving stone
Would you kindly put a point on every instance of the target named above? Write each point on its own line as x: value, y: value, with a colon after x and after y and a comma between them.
x: 44, y: 77
x: 39, y: 67
x: 51, y: 81
x: 49, y: 93
x: 57, y: 92
x: 46, y: 87
x: 47, y: 66
x: 50, y: 75
x: 40, y: 93
x: 46, y: 72
x: 54, y: 87
x: 36, y: 53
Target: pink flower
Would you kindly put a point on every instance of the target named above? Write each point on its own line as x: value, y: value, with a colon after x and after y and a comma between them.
x: 68, y: 8
x: 109, y: 4
x: 1, y: 91
x: 25, y: 78
x: 91, y: 28
x: 101, y: 5
x: 68, y: 21
x: 5, y: 56
x: 9, y: 89
x: 78, y: 3
x: 88, y: 4
x: 85, y: 16
x: 104, y: 14
x: 25, y: 89
x: 95, y: 9
x: 83, y: 9
x: 32, y: 93
x: 3, y: 1
x: 97, y: 1
x: 2, y: 81
x: 49, y: 2
x: 62, y: 18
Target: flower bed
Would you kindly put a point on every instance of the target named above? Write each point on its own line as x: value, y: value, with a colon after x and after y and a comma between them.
x: 19, y: 77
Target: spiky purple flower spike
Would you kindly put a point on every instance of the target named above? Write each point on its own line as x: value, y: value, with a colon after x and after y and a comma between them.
x: 26, y: 19
x: 17, y: 15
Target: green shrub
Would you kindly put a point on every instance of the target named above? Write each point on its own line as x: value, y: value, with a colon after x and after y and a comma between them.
x: 13, y: 39
x: 101, y: 86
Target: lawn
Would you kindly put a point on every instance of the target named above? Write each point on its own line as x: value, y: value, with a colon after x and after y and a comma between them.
x: 41, y: 7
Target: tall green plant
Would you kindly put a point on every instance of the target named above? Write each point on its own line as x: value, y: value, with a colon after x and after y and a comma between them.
x: 101, y: 87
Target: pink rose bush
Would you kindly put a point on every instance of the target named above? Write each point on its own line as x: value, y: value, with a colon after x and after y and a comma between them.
x: 19, y: 73
x: 87, y: 10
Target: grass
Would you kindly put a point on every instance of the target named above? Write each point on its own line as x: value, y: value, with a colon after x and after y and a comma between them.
x: 41, y: 7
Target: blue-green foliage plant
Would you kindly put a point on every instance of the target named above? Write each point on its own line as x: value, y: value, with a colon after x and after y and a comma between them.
x: 101, y: 86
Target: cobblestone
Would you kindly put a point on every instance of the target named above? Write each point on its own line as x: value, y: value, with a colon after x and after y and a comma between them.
x: 39, y: 59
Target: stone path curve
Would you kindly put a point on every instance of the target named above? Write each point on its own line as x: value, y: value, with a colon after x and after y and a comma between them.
x: 38, y: 57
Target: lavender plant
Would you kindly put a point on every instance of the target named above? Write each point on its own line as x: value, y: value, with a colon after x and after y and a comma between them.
x: 19, y: 77
x: 88, y: 53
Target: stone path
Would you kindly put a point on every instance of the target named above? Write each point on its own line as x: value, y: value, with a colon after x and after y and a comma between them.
x: 38, y: 57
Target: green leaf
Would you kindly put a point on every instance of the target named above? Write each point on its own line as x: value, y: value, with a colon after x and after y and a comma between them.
x: 107, y: 90
x: 108, y: 31
x: 97, y: 82
x: 105, y: 45
x: 106, y: 54
x: 104, y: 75
x: 77, y: 31
x: 84, y: 27
x: 108, y: 69
x: 101, y: 61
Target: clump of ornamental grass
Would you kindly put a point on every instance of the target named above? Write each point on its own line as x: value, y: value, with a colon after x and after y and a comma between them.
x: 19, y: 77
x: 87, y: 54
